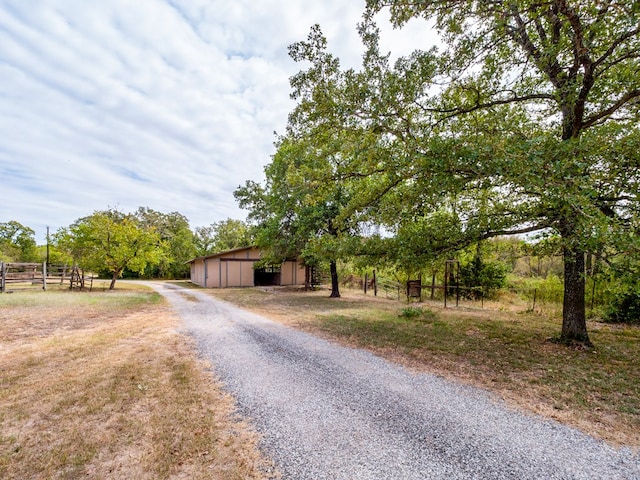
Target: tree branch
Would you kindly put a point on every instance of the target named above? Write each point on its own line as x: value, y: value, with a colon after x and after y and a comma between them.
x: 615, y: 44
x: 517, y: 231
x: 612, y: 109
x: 453, y: 112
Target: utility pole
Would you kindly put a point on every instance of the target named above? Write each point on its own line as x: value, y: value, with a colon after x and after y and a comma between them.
x: 47, y: 246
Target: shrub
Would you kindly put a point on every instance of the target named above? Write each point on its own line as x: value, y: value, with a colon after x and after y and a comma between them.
x: 624, y: 308
x: 415, y: 312
x: 490, y: 275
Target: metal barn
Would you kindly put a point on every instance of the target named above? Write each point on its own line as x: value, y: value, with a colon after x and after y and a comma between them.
x: 236, y: 268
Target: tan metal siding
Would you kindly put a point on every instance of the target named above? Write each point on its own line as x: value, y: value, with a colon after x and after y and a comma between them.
x: 246, y: 274
x: 232, y: 272
x: 292, y: 273
x: 197, y: 273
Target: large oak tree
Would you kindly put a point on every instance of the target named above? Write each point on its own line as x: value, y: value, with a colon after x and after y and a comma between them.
x: 533, y: 103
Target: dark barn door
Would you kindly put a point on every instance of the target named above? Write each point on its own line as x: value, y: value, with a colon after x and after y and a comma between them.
x: 266, y: 277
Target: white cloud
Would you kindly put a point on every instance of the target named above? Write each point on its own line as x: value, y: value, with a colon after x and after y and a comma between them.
x: 169, y: 104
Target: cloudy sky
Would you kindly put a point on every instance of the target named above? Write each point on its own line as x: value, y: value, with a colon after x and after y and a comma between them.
x: 167, y: 104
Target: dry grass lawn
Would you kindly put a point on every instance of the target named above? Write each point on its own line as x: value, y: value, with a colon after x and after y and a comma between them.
x: 503, y: 348
x: 101, y: 385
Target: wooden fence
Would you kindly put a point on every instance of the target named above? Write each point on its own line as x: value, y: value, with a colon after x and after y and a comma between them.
x: 22, y: 275
x: 18, y: 276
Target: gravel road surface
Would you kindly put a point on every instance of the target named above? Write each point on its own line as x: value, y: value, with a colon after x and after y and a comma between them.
x: 330, y: 412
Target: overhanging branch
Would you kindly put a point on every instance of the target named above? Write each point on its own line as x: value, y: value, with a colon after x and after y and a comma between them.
x: 612, y: 109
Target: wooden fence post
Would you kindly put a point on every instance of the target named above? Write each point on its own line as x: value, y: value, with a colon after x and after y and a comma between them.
x: 375, y: 285
x: 446, y: 281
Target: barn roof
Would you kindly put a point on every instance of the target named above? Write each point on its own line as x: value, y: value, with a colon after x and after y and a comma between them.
x: 221, y: 254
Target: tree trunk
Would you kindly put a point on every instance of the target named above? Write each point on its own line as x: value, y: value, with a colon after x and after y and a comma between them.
x: 574, y: 320
x: 115, y: 276
x: 307, y: 277
x: 335, y: 288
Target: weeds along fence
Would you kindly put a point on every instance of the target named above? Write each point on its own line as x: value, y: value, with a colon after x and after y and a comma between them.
x: 389, y: 289
x: 543, y: 299
x: 22, y: 276
x: 539, y: 299
x: 456, y: 295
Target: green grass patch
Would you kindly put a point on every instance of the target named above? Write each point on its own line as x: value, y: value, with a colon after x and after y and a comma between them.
x: 122, y: 299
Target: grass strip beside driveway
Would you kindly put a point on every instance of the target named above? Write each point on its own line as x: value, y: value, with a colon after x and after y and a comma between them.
x: 101, y: 385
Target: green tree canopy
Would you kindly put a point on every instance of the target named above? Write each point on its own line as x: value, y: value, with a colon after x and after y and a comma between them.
x: 221, y: 236
x: 541, y: 100
x: 113, y: 241
x: 17, y: 242
x: 297, y: 212
x: 173, y: 229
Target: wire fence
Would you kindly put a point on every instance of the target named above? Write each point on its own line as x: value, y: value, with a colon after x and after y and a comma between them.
x: 543, y: 300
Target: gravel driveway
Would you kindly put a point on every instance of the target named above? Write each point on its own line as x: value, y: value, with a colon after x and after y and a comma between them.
x: 330, y: 412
